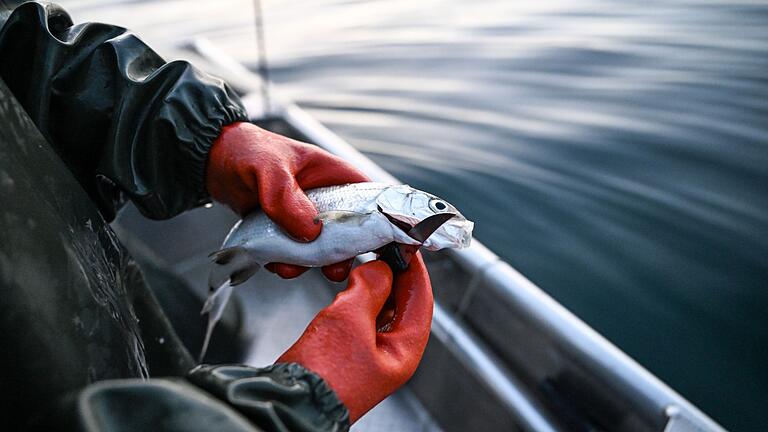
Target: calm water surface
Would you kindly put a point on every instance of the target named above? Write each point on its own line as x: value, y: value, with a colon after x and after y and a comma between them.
x: 616, y: 153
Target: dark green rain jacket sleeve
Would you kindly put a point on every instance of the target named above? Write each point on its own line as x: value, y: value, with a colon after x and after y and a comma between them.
x: 128, y: 124
x: 283, y: 397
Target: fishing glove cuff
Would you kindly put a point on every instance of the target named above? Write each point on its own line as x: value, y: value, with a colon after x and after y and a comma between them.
x: 195, y: 113
x: 283, y: 396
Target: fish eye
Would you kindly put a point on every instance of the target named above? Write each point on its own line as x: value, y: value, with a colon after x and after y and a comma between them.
x: 438, y: 205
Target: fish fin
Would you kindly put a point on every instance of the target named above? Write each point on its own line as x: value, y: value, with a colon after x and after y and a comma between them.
x: 214, y: 306
x: 223, y: 256
x: 243, y: 274
x: 213, y: 297
x: 207, y: 340
x: 208, y: 305
x: 238, y: 267
x: 339, y: 215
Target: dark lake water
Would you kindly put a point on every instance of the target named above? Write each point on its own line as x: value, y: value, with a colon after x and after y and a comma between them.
x: 616, y: 153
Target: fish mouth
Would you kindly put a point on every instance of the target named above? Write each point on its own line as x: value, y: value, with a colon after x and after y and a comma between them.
x: 422, y: 230
x: 456, y: 233
x: 425, y: 228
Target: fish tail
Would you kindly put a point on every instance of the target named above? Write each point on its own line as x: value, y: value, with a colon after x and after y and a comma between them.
x: 207, y: 340
x: 231, y: 267
x: 214, y: 306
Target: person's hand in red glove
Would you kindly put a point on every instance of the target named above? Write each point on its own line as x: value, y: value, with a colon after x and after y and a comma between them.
x: 342, y: 344
x: 250, y: 167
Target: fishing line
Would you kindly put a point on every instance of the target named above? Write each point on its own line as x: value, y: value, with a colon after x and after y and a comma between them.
x: 261, y: 59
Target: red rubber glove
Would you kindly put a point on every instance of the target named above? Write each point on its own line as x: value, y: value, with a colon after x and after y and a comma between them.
x: 250, y: 167
x: 342, y: 345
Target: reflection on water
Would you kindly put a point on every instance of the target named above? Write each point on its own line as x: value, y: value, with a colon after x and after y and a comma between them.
x: 615, y: 153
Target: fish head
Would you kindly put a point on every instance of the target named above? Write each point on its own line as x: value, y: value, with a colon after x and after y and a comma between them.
x: 411, y: 210
x: 456, y: 233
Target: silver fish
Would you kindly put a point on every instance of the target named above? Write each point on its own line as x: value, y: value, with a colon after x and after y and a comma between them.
x: 357, y: 218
